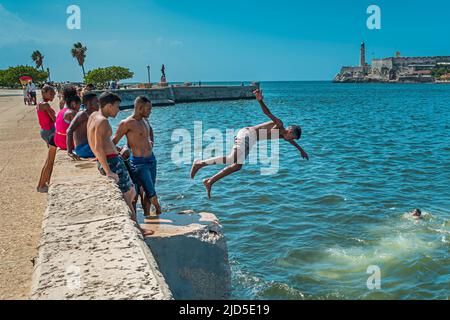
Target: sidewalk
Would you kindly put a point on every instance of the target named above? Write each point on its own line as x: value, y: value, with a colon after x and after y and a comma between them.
x: 22, y: 155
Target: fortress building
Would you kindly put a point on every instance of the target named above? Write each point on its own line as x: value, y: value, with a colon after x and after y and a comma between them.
x: 396, y: 69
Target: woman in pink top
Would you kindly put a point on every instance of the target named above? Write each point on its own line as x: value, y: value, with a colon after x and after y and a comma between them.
x: 46, y: 117
x: 63, y: 120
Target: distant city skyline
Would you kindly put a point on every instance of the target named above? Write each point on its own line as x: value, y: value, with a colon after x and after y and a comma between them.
x: 211, y: 41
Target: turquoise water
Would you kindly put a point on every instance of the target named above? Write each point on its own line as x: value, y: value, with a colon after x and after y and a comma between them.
x: 311, y: 231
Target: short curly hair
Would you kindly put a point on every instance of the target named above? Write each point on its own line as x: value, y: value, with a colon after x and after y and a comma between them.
x: 296, y: 130
x: 69, y: 92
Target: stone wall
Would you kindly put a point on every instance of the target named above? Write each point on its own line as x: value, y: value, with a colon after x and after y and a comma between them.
x: 191, y: 252
x: 161, y: 96
x: 91, y: 249
x: 213, y: 93
x: 379, y: 64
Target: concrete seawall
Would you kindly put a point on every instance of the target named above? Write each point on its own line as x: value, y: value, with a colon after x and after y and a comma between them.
x: 163, y: 96
x: 91, y: 249
x: 191, y: 252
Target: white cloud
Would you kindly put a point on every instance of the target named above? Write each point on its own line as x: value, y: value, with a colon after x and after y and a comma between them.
x: 159, y: 41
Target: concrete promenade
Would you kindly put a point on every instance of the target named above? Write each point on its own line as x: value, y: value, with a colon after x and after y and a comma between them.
x: 22, y: 155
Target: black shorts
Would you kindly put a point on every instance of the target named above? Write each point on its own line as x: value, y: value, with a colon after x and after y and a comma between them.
x: 48, y: 136
x: 117, y: 166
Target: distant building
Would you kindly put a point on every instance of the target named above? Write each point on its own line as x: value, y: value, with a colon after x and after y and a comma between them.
x: 444, y: 78
x: 362, y: 55
x: 393, y: 69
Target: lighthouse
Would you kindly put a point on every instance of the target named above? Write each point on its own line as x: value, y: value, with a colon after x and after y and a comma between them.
x: 362, y: 57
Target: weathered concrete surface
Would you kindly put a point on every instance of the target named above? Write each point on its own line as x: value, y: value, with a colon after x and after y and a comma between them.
x: 191, y: 252
x: 163, y: 96
x: 90, y: 248
x: 185, y: 94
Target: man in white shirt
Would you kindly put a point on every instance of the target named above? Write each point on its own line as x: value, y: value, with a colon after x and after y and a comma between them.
x: 31, y: 89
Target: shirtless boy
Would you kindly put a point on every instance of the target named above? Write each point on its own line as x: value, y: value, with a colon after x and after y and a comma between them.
x: 140, y: 140
x: 77, y: 131
x: 99, y: 133
x: 245, y: 140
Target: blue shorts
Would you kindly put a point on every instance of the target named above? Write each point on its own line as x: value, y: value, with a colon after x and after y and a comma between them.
x: 143, y: 173
x: 84, y: 151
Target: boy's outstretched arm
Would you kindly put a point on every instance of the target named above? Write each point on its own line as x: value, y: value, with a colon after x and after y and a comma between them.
x: 302, y: 152
x: 259, y: 97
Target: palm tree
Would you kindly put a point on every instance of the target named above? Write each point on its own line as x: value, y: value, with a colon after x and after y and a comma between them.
x: 38, y: 59
x: 79, y: 52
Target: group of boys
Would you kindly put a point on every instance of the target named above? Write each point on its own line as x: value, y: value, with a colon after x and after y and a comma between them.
x: 92, y: 137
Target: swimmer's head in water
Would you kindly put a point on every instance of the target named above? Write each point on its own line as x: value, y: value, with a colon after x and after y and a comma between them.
x: 48, y: 93
x: 293, y: 133
x: 417, y: 213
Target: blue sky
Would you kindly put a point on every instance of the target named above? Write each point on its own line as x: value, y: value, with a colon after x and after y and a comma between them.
x: 212, y: 40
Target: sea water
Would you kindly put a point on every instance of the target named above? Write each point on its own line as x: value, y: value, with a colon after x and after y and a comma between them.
x: 313, y: 229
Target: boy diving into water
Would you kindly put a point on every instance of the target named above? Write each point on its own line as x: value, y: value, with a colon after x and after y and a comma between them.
x: 245, y: 140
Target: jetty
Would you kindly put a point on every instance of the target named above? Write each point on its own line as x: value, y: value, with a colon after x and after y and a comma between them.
x: 172, y: 94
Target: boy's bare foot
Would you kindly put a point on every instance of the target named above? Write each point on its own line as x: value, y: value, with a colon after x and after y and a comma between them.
x: 208, y: 186
x: 146, y: 233
x: 197, y: 165
x: 157, y: 206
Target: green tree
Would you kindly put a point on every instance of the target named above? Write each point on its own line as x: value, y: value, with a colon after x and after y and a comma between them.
x: 79, y: 53
x: 38, y: 59
x: 2, y: 78
x: 102, y: 76
x: 438, y: 72
x: 10, y: 77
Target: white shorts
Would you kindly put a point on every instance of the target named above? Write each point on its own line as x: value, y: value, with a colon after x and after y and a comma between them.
x: 245, y: 140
